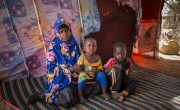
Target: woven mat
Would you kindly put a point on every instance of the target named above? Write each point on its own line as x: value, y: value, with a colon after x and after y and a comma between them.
x: 155, y: 91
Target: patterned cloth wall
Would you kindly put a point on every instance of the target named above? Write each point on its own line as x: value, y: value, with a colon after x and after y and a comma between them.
x: 26, y: 29
x: 136, y: 6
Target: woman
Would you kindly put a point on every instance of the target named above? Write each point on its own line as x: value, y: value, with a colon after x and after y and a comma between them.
x: 61, y: 57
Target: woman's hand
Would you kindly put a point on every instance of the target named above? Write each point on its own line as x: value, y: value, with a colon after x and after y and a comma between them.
x: 76, y: 68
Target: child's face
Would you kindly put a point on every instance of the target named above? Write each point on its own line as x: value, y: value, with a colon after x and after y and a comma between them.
x: 90, y: 47
x: 64, y: 34
x: 120, y: 54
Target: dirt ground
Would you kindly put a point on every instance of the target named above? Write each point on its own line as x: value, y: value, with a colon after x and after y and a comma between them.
x: 167, y: 64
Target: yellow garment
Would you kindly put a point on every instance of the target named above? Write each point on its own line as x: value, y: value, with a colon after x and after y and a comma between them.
x: 87, y: 67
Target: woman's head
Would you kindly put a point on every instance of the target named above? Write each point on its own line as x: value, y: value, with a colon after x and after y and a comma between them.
x: 90, y: 46
x: 62, y: 30
x: 119, y: 51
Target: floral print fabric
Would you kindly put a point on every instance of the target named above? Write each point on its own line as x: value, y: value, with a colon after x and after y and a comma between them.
x: 26, y: 30
x: 89, y: 16
x: 60, y: 57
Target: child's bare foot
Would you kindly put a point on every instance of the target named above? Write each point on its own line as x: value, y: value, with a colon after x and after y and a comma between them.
x: 121, y: 98
x: 118, y: 96
x: 106, y: 97
x: 82, y: 100
x: 34, y: 97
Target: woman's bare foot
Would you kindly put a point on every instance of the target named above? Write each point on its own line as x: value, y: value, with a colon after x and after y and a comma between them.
x: 34, y: 98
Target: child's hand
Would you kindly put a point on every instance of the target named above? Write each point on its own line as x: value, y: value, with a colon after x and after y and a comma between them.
x: 91, y: 73
x: 119, y: 66
x: 76, y: 68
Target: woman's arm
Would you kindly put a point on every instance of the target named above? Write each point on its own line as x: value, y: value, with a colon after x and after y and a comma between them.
x: 99, y: 67
x: 76, y: 68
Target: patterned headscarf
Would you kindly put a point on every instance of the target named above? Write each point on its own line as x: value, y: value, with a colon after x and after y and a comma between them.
x: 59, y: 24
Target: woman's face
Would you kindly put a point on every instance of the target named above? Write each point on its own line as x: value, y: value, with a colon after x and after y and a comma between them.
x: 64, y: 34
x: 90, y: 47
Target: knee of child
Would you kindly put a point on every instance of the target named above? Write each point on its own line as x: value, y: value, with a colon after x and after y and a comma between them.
x: 101, y: 75
x: 80, y: 86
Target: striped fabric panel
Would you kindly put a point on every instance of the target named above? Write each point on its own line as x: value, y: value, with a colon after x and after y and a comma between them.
x: 155, y: 91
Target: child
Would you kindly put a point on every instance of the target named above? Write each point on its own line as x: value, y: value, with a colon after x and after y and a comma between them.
x: 92, y: 68
x: 117, y: 70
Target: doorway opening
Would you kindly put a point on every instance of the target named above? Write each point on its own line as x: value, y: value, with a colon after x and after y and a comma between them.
x: 158, y: 46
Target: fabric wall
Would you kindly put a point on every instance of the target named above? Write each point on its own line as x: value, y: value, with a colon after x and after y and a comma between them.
x: 26, y: 29
x: 151, y: 9
x: 136, y: 6
x: 117, y: 24
x: 89, y: 16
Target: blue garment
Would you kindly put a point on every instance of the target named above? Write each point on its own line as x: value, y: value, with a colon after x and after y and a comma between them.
x: 100, y: 78
x: 60, y: 57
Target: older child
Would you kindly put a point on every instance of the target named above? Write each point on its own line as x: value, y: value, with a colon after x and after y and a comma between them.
x: 117, y: 70
x: 92, y: 68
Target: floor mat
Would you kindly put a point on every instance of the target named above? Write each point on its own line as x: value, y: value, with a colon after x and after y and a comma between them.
x: 155, y: 91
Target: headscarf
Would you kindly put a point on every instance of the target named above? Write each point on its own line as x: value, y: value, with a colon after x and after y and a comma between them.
x: 59, y: 24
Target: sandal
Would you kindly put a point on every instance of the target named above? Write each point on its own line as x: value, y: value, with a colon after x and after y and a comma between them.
x: 118, y: 96
x: 34, y: 98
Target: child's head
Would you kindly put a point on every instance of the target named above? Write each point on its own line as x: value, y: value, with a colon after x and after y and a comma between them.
x: 119, y: 51
x: 90, y: 46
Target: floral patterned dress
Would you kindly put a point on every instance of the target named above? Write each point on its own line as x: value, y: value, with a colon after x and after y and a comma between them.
x: 60, y: 57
